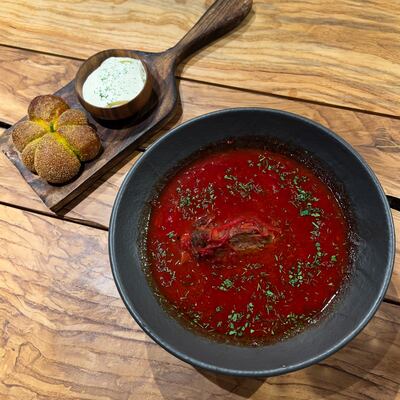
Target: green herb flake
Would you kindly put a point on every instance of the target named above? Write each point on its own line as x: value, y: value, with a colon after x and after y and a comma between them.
x: 250, y: 307
x: 241, y: 188
x: 235, y: 316
x: 226, y: 285
x: 184, y: 201
x: 296, y: 275
x: 171, y: 235
x: 292, y: 317
x: 302, y: 195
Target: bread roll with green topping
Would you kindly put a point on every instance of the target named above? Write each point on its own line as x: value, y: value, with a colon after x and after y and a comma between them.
x: 26, y: 131
x: 49, y: 152
x: 55, y: 139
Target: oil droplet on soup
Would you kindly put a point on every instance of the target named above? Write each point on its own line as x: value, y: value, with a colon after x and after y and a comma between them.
x: 247, y: 245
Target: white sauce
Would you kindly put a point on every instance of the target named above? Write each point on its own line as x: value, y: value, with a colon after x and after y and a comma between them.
x: 115, y: 82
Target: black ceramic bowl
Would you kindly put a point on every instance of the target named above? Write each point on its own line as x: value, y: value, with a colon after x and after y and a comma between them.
x: 373, y: 261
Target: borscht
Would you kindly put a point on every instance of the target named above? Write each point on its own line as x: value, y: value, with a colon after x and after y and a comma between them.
x: 247, y: 245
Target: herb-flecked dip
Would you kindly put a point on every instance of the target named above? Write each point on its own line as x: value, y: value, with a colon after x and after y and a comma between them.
x: 247, y: 245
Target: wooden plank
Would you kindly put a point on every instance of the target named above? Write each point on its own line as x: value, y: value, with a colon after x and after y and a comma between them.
x: 376, y: 138
x: 116, y: 142
x: 91, y: 209
x: 94, y: 206
x: 65, y: 334
x: 341, y: 52
x: 26, y: 75
x: 393, y: 292
x: 14, y: 189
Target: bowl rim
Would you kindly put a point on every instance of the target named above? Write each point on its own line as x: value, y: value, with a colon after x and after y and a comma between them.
x: 236, y: 371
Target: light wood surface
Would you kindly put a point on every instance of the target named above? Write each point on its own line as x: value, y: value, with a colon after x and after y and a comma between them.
x: 309, y: 49
x: 393, y: 292
x: 116, y: 143
x: 376, y: 138
x: 65, y: 333
x: 25, y: 75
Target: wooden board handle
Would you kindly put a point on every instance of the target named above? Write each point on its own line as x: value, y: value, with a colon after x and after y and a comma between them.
x: 220, y: 18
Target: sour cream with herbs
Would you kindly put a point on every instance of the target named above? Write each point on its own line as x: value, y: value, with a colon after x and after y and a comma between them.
x: 115, y: 82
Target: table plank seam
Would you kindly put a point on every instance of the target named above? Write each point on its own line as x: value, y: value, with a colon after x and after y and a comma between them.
x: 291, y: 98
x: 394, y: 202
x: 77, y: 221
x: 5, y: 125
x: 247, y: 90
x: 48, y: 53
x: 106, y: 229
x: 392, y: 301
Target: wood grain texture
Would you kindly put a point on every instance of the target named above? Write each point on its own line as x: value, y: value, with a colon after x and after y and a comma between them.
x: 94, y: 207
x: 121, y: 139
x: 117, y: 140
x: 376, y: 138
x: 393, y: 292
x: 25, y: 75
x: 343, y: 52
x: 220, y: 18
x: 13, y: 187
x: 65, y: 334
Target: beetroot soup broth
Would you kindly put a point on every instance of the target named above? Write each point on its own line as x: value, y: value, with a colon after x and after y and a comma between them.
x: 247, y: 246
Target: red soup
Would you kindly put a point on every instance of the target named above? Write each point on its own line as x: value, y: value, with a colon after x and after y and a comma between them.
x: 247, y: 245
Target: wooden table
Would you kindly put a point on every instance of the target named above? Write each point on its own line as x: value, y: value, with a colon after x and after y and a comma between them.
x: 64, y: 332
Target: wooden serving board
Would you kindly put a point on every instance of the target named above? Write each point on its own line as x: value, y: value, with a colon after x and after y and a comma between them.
x: 120, y: 139
x: 117, y: 144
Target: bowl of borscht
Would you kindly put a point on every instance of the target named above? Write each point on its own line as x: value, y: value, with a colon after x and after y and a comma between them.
x: 251, y: 242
